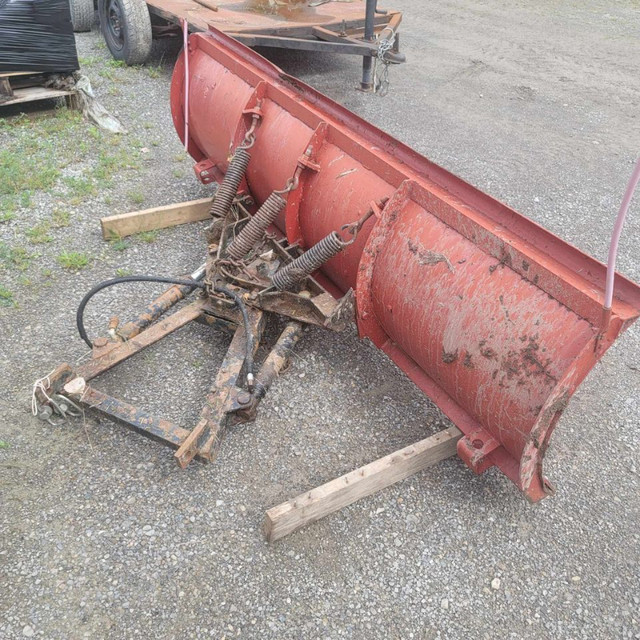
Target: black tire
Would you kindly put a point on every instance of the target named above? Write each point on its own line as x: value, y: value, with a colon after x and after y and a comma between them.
x: 126, y: 27
x: 82, y: 15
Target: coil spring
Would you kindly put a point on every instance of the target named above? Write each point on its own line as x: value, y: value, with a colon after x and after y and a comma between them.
x: 254, y: 230
x: 308, y: 262
x: 227, y: 190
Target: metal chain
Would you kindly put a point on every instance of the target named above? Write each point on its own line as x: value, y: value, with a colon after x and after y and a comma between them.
x: 381, y: 76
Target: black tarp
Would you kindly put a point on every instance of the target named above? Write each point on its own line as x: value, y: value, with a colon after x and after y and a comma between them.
x: 36, y: 35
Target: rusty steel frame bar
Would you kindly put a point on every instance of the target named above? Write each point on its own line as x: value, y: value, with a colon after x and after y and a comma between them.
x: 108, y: 355
x: 206, y: 437
x: 225, y: 404
x: 130, y: 416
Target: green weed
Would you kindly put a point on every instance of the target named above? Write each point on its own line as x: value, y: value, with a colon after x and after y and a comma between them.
x: 15, y: 257
x: 60, y: 218
x: 148, y: 236
x: 6, y: 297
x: 136, y: 197
x: 39, y: 234
x: 73, y: 260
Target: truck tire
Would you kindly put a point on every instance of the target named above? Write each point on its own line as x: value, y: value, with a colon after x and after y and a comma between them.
x: 126, y: 27
x: 82, y: 14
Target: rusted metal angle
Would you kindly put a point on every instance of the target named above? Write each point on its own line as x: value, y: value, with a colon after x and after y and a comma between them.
x: 303, y: 44
x: 130, y: 416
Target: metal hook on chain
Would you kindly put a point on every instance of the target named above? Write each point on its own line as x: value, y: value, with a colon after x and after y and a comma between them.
x: 250, y: 137
x: 354, y: 227
x: 292, y: 183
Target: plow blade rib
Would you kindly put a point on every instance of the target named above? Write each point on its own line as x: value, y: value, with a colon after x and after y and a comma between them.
x: 493, y: 317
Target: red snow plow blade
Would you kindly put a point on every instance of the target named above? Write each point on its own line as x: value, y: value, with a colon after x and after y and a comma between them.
x: 493, y: 317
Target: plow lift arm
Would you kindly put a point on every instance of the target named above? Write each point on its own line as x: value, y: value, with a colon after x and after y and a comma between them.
x: 320, y: 218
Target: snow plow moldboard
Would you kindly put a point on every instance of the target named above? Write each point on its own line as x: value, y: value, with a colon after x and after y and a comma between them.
x: 493, y: 317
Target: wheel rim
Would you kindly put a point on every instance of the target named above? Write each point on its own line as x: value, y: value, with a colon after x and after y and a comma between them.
x: 115, y: 26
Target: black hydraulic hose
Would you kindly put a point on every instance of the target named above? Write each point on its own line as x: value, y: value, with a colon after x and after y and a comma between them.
x: 187, y: 283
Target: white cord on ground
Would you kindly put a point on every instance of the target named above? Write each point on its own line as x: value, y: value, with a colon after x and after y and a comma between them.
x: 41, y: 385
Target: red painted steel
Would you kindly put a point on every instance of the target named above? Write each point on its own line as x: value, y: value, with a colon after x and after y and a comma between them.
x: 493, y: 317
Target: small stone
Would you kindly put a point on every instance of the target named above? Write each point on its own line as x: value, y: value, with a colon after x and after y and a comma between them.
x: 495, y: 584
x: 444, y: 604
x: 219, y: 503
x: 575, y: 579
x: 28, y: 631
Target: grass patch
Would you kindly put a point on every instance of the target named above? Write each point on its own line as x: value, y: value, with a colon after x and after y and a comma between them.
x: 110, y: 163
x: 121, y: 272
x: 154, y: 71
x: 116, y: 64
x: 22, y: 171
x: 38, y: 146
x: 4, y: 444
x: 14, y: 257
x: 147, y: 236
x: 60, y: 218
x: 120, y: 244
x: 6, y: 297
x: 88, y: 61
x: 79, y: 189
x: 39, y: 234
x: 117, y: 243
x: 137, y: 197
x: 73, y: 260
x: 107, y: 73
x: 178, y: 173
x: 10, y: 203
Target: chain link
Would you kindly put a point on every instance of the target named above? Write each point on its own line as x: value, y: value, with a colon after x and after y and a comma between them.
x: 381, y: 72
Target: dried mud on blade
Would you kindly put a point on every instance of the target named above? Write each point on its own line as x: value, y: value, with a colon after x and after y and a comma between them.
x: 493, y: 317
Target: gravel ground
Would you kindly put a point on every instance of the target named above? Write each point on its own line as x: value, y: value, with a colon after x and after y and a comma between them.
x: 103, y: 536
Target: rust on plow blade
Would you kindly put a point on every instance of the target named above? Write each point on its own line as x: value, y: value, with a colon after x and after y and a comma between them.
x: 493, y: 317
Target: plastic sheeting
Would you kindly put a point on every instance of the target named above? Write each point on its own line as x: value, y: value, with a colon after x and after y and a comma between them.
x: 36, y: 35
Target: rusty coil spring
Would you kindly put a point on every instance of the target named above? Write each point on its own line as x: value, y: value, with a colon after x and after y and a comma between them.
x: 308, y: 262
x: 255, y: 229
x: 227, y: 190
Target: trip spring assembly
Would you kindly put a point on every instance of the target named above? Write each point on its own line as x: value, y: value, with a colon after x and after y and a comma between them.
x: 227, y: 190
x: 309, y: 261
x: 255, y: 229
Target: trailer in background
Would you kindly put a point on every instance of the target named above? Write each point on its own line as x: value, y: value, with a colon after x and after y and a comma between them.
x: 333, y: 26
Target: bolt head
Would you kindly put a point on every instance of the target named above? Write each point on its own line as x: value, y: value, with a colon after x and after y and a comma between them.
x: 100, y: 342
x: 244, y: 397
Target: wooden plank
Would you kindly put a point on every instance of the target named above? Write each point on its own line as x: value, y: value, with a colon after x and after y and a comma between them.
x: 8, y: 74
x: 126, y: 224
x: 317, y: 503
x: 34, y: 93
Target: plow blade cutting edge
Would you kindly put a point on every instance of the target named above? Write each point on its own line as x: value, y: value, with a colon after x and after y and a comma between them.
x: 493, y: 317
